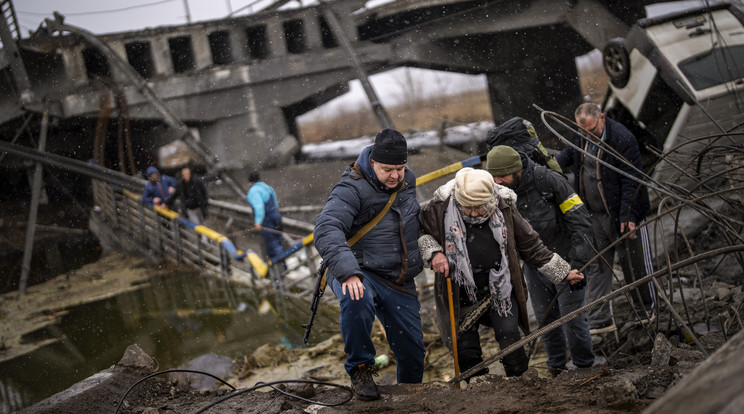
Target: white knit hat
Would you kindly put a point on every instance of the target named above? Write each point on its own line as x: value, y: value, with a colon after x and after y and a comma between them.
x: 473, y: 187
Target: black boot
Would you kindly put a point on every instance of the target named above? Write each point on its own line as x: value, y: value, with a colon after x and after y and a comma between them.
x: 363, y: 384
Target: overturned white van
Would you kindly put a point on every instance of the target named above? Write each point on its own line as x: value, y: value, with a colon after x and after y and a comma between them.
x: 676, y: 79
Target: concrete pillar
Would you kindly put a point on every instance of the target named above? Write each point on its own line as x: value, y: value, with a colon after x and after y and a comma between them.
x: 312, y: 31
x: 118, y: 75
x: 201, y: 49
x: 257, y: 139
x: 238, y: 46
x: 75, y: 65
x: 276, y: 40
x: 161, y: 55
x: 513, y: 91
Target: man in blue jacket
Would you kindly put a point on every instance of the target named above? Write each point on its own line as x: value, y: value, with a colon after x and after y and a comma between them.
x: 375, y: 275
x: 158, y: 187
x: 616, y: 205
x: 268, y: 221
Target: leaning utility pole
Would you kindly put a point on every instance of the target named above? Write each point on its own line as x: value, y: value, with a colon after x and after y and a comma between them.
x: 382, y: 116
x: 28, y: 247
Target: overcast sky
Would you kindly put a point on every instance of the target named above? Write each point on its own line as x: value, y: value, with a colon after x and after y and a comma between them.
x: 109, y: 16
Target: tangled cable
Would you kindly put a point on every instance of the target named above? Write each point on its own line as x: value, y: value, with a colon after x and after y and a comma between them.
x: 241, y: 392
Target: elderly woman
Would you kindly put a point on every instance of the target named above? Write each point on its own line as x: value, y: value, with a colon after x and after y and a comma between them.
x: 484, y: 236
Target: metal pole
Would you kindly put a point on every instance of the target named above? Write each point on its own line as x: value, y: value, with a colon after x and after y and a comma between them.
x: 453, y: 329
x: 199, y: 250
x: 176, y: 227
x: 28, y: 247
x: 188, y: 13
x: 338, y: 30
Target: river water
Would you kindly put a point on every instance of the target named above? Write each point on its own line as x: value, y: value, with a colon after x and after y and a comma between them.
x: 175, y: 319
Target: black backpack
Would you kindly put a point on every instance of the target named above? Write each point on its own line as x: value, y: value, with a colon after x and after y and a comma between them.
x: 519, y: 134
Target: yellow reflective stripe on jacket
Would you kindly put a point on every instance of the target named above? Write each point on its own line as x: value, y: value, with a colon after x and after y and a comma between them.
x: 570, y: 202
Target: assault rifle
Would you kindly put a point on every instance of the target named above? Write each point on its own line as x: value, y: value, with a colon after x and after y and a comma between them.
x: 320, y: 282
x: 318, y: 290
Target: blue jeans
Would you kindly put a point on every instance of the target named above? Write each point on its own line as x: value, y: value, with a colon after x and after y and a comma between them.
x: 400, y: 316
x: 272, y: 240
x: 575, y: 331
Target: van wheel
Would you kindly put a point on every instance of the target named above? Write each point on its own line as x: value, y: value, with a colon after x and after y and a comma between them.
x: 616, y: 62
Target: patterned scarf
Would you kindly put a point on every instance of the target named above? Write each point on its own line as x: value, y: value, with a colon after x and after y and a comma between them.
x: 456, y: 250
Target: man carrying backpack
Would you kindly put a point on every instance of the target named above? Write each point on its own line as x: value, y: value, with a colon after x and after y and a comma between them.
x: 519, y: 134
x: 547, y: 201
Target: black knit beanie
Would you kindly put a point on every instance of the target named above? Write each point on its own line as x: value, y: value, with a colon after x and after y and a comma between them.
x: 390, y: 148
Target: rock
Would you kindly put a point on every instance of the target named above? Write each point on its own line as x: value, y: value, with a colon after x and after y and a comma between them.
x: 270, y: 355
x: 721, y: 290
x: 135, y: 357
x: 690, y: 294
x: 662, y: 351
x: 712, y: 340
x: 530, y: 377
x: 301, y: 390
x: 217, y: 365
x: 638, y: 337
x: 687, y: 355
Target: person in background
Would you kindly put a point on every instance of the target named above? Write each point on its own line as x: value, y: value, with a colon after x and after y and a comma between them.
x: 616, y: 205
x: 473, y: 233
x: 375, y: 276
x: 546, y: 200
x: 192, y: 193
x: 158, y: 187
x: 268, y: 221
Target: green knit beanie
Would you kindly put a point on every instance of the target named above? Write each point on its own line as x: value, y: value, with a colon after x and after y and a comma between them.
x: 503, y: 160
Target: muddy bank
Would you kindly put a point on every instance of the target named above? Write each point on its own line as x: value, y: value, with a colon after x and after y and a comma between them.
x: 628, y: 385
x: 641, y: 368
x: 24, y: 319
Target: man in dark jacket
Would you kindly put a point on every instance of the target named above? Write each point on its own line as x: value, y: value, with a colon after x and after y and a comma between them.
x: 547, y: 201
x: 192, y: 193
x: 158, y: 187
x: 375, y: 275
x: 616, y: 205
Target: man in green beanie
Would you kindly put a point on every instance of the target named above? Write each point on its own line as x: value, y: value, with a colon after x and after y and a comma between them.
x: 545, y: 199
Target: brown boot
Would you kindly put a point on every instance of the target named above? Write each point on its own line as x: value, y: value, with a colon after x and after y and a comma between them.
x: 363, y: 384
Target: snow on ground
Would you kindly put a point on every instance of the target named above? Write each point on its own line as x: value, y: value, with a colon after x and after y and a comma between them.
x: 456, y: 135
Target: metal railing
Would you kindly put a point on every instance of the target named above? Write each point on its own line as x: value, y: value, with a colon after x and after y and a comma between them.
x: 164, y: 233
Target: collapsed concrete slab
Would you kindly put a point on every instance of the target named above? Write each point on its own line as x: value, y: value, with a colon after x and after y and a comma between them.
x: 715, y: 386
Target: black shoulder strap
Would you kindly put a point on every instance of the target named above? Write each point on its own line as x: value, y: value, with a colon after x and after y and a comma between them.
x: 540, y: 181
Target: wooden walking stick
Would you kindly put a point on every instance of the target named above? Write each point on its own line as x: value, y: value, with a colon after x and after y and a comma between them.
x: 453, y: 328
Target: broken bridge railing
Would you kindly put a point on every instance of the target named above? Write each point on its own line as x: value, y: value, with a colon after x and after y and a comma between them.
x: 164, y: 233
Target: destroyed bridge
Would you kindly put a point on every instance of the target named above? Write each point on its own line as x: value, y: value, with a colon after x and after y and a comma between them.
x: 236, y: 85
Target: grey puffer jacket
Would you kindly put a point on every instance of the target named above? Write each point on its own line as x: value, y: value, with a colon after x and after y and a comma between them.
x: 390, y: 250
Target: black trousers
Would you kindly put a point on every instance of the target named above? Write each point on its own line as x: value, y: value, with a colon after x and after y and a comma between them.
x: 506, y: 332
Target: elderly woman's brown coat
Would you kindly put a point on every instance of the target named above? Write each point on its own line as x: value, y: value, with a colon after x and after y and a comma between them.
x: 522, y: 242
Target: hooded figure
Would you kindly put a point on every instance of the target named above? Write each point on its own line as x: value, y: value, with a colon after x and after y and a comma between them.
x: 158, y: 187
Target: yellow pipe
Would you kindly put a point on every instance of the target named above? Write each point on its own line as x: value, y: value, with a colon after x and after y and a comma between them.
x: 439, y: 173
x: 206, y: 231
x: 257, y: 264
